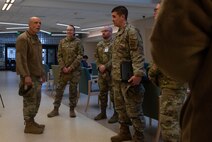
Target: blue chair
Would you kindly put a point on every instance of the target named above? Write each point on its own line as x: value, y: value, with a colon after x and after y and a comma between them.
x: 94, y: 73
x: 88, y: 86
x: 151, y: 102
x: 47, y: 75
x: 56, y: 75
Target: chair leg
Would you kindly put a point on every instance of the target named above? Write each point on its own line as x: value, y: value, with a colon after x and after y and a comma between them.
x: 157, y: 137
x: 47, y: 85
x: 150, y: 121
x: 87, y: 103
x: 158, y: 133
x: 110, y: 103
x: 2, y: 101
x: 53, y: 89
x: 48, y: 81
x: 78, y: 96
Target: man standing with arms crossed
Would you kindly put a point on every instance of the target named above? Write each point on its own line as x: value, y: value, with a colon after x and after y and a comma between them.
x: 102, y: 57
x: 128, y: 95
x: 29, y: 67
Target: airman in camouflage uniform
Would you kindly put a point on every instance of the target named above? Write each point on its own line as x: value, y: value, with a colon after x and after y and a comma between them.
x: 29, y: 67
x: 70, y: 52
x: 128, y: 96
x: 102, y: 57
x: 172, y: 97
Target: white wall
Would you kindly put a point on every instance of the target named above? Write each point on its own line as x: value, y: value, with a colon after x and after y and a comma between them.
x: 89, y: 48
x: 145, y: 28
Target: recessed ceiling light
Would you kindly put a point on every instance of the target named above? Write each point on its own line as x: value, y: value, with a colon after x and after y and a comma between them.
x: 8, y: 32
x: 43, y: 31
x: 16, y: 24
x: 14, y: 28
x: 65, y: 25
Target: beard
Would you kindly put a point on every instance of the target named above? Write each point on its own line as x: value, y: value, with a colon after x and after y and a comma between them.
x: 105, y: 37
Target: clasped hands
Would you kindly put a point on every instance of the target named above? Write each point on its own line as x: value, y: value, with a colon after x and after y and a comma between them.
x: 66, y: 69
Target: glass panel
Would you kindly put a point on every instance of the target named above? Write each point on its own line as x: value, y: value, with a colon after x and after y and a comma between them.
x: 11, y: 53
x: 11, y: 63
x: 44, y: 56
x: 2, y: 58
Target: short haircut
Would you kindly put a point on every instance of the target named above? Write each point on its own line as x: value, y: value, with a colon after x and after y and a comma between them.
x: 107, y: 28
x: 72, y: 26
x: 85, y: 57
x: 121, y: 10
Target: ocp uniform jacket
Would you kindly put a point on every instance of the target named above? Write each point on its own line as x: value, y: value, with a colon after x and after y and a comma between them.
x: 182, y: 48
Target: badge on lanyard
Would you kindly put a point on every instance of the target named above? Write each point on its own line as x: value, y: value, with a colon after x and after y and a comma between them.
x: 106, y: 49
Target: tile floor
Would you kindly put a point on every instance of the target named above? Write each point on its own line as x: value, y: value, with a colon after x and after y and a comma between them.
x: 58, y: 129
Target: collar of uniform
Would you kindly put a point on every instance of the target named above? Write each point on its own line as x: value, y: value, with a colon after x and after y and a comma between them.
x: 121, y: 30
x: 70, y: 39
x: 30, y: 35
x: 107, y: 40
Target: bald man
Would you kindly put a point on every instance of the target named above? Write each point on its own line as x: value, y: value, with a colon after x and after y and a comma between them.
x: 102, y: 57
x: 29, y: 67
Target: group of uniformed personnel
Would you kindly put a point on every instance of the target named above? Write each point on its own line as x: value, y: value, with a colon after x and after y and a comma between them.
x: 127, y: 97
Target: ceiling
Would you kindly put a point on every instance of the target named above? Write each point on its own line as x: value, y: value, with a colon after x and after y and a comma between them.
x: 82, y: 13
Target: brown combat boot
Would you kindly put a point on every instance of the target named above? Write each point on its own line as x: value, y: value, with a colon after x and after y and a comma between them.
x: 30, y: 127
x: 138, y: 136
x: 101, y: 115
x: 123, y: 135
x: 72, y: 113
x: 54, y: 112
x: 114, y: 118
x: 38, y: 125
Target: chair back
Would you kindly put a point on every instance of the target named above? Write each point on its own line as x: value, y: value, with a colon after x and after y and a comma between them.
x: 88, y: 86
x: 94, y: 72
x: 84, y: 80
x: 46, y: 69
x: 151, y: 100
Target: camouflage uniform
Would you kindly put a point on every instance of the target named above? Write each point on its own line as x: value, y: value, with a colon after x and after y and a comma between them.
x: 128, y: 99
x: 102, y: 57
x: 173, y: 94
x: 29, y: 63
x: 70, y: 52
